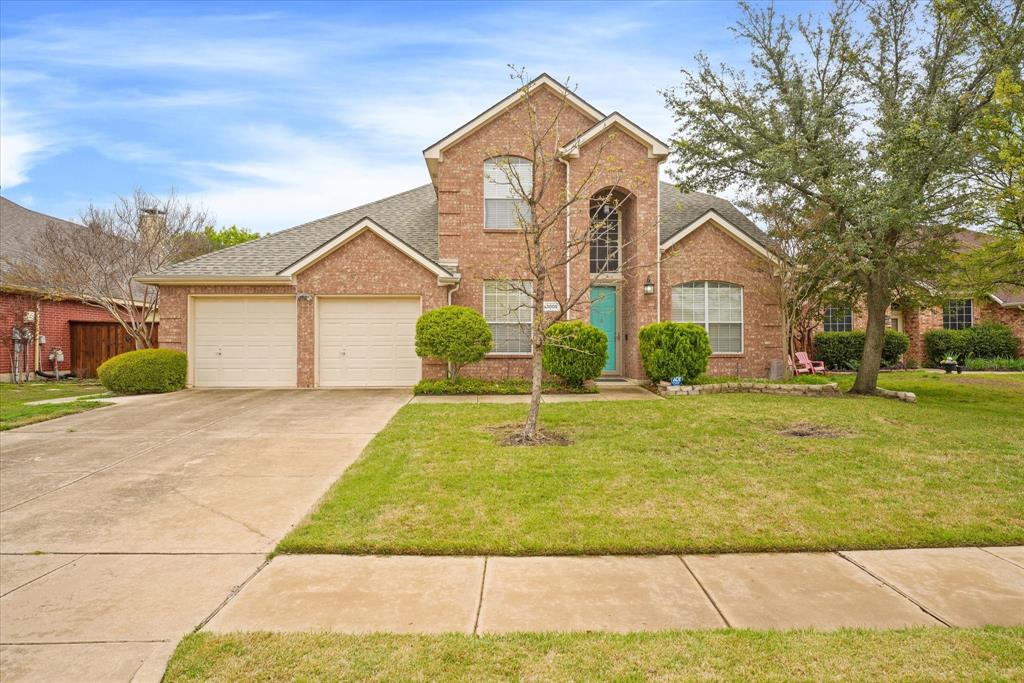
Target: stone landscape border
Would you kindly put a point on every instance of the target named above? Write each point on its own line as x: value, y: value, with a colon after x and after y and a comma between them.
x: 830, y: 389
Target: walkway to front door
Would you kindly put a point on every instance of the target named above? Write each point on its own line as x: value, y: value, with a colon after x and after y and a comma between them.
x: 604, y: 315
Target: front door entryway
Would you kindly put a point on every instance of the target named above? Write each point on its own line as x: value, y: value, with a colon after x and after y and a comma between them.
x: 604, y: 315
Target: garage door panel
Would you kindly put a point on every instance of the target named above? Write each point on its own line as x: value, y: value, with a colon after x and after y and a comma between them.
x: 368, y: 342
x: 244, y: 342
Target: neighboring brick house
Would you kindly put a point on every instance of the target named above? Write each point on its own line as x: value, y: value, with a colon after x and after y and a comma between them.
x: 86, y: 334
x: 334, y: 302
x: 1005, y: 306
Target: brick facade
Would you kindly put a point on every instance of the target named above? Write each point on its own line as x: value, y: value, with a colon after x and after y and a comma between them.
x: 367, y: 265
x: 54, y: 318
x: 710, y: 253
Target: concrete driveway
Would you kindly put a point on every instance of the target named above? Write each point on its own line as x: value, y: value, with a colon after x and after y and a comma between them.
x: 123, y: 528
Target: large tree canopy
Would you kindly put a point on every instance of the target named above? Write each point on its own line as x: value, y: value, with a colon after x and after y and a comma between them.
x: 865, y: 117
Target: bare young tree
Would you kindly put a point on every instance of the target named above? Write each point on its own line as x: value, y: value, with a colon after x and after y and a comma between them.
x: 561, y: 219
x: 98, y: 261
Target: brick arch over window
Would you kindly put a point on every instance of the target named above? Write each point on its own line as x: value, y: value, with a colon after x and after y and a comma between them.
x: 506, y: 180
x: 715, y: 306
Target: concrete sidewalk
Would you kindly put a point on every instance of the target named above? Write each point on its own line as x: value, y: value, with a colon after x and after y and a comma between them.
x: 871, y: 589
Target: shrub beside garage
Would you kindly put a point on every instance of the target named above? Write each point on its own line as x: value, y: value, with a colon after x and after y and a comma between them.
x: 147, y: 371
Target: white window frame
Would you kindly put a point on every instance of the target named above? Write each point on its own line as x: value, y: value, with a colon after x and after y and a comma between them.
x: 742, y: 323
x: 829, y: 317
x: 488, y: 182
x: 618, y: 246
x: 959, y: 303
x: 529, y: 326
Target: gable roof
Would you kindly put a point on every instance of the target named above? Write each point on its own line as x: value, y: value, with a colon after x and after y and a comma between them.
x: 680, y: 210
x: 433, y: 153
x: 655, y: 147
x: 411, y: 216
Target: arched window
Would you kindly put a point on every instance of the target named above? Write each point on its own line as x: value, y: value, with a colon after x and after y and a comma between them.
x: 507, y: 183
x: 605, y: 231
x: 715, y: 306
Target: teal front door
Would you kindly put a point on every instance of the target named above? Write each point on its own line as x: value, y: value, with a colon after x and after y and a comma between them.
x: 604, y: 315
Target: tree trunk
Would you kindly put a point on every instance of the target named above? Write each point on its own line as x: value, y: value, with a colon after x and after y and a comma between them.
x: 537, y: 344
x: 877, y: 301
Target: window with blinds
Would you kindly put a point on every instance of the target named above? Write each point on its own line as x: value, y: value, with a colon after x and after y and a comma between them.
x: 507, y: 180
x: 508, y: 310
x: 715, y: 306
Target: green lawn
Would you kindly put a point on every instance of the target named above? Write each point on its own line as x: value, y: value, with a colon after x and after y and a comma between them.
x: 691, y: 474
x: 852, y: 655
x: 13, y: 397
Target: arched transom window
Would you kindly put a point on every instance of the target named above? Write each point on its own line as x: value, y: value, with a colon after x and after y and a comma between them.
x: 507, y: 183
x: 717, y: 307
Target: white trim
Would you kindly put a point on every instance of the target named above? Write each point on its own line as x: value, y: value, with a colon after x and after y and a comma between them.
x: 434, y: 153
x: 356, y: 229
x: 656, y: 149
x: 731, y: 229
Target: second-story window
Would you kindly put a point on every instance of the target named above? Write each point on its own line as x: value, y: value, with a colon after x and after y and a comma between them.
x: 604, y: 238
x: 507, y: 183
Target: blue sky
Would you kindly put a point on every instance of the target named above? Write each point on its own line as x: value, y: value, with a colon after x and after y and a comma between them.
x: 271, y: 114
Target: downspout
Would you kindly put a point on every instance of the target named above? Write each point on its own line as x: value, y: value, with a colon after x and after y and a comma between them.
x: 452, y: 290
x: 657, y: 265
x: 37, y: 345
x: 568, y: 210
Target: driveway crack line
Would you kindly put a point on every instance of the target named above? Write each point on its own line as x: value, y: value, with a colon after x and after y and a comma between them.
x: 1004, y: 559
x: 224, y: 515
x: 234, y: 591
x: 480, y: 600
x: 714, y: 604
x: 894, y: 588
x: 77, y: 557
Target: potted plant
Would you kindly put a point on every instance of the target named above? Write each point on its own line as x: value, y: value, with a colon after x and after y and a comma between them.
x: 949, y: 364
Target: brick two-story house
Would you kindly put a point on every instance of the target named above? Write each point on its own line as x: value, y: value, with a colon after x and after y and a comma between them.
x: 334, y: 302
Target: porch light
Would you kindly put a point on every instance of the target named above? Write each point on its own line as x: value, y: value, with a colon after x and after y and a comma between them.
x: 649, y: 286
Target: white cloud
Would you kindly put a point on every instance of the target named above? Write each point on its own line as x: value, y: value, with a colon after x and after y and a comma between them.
x: 295, y: 178
x: 21, y: 146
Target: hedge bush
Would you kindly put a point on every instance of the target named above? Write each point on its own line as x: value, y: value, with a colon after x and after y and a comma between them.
x: 455, y: 334
x: 575, y: 352
x: 147, y: 371
x: 843, y: 350
x: 989, y: 340
x: 670, y: 350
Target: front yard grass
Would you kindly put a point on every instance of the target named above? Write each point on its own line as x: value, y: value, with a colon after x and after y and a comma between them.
x: 13, y: 399
x: 698, y: 474
x: 850, y: 655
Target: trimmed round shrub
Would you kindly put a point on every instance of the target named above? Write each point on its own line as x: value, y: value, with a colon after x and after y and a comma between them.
x: 575, y: 352
x: 147, y: 371
x: 843, y: 350
x: 455, y: 334
x: 670, y: 350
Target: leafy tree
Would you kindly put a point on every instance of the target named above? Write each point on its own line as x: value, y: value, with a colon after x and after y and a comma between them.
x: 865, y: 117
x: 229, y: 237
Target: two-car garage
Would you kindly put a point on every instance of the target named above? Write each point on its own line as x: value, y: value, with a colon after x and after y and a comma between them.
x: 252, y: 341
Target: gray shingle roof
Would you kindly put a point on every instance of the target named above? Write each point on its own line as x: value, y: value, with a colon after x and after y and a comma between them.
x: 679, y: 210
x: 411, y: 216
x: 19, y: 229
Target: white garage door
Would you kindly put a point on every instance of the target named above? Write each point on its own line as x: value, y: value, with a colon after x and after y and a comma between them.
x: 367, y: 342
x: 243, y: 342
